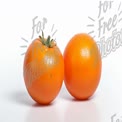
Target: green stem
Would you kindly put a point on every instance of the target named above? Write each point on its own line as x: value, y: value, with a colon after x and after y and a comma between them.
x: 47, y: 42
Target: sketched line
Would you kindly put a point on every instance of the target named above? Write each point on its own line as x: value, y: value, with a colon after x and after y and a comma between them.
x: 24, y: 39
x: 120, y: 13
x: 55, y: 39
x: 54, y: 33
x: 90, y: 25
x: 94, y: 36
x: 23, y: 54
x: 23, y: 46
x: 91, y: 19
x: 91, y: 32
x: 120, y: 19
x: 52, y: 28
x: 119, y: 6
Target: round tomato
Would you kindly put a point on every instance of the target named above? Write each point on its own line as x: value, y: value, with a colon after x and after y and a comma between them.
x: 43, y: 70
x: 82, y: 66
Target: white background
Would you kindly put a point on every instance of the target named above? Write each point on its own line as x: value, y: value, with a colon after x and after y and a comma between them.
x: 70, y: 17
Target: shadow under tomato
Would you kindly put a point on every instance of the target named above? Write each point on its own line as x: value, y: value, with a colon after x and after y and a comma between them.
x: 42, y: 114
x: 23, y: 98
x: 40, y: 105
x: 20, y: 97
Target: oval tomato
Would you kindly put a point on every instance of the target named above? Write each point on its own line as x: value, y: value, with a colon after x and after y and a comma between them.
x: 82, y: 66
x: 43, y: 70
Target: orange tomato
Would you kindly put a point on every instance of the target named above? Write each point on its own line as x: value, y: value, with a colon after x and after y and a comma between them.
x: 43, y: 70
x: 82, y: 66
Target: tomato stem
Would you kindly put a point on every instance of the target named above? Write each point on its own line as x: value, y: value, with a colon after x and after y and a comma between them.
x: 47, y: 42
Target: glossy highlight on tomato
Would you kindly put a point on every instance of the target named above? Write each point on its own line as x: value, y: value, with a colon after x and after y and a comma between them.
x: 82, y: 66
x: 43, y: 70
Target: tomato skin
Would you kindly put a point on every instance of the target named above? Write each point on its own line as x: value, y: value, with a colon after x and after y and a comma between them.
x: 43, y: 72
x: 82, y: 66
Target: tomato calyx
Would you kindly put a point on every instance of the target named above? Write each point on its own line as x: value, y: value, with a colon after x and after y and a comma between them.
x: 47, y: 42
